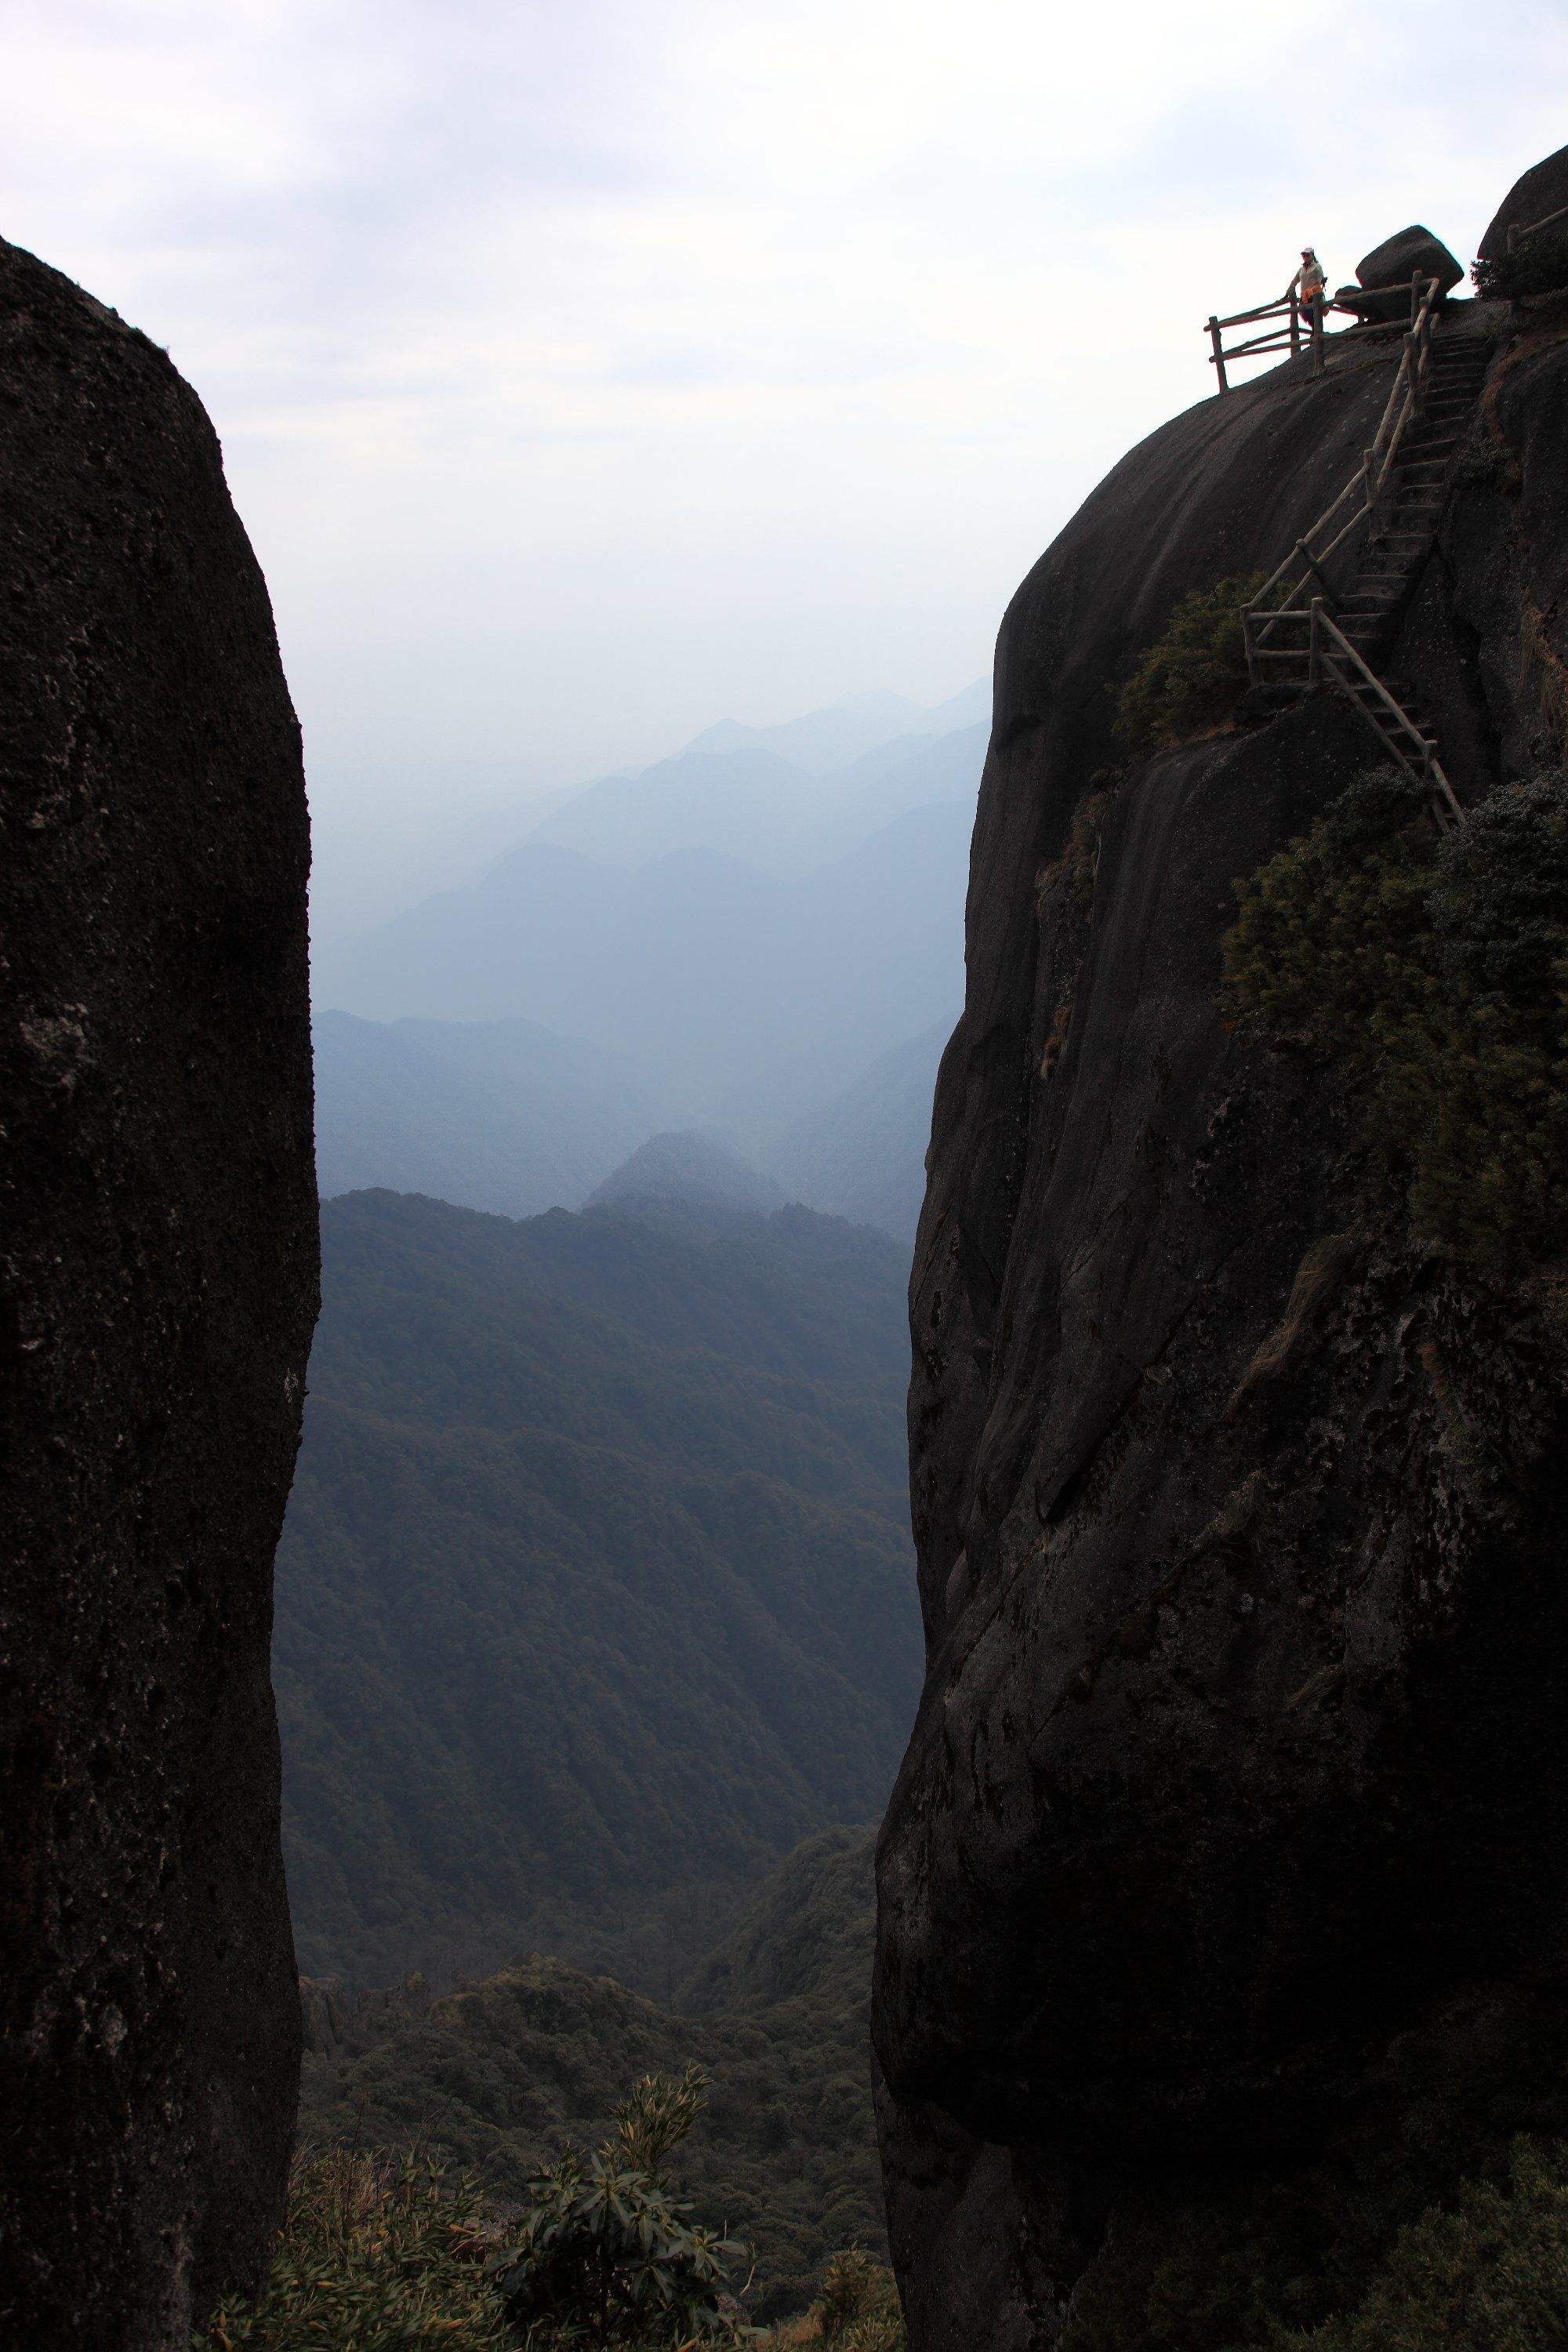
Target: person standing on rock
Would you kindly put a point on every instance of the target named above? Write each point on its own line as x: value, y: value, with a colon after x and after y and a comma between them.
x: 1308, y: 284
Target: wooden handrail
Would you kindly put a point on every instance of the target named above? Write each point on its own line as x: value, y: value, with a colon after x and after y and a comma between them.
x: 1294, y: 574
x: 1520, y: 230
x: 1339, y: 648
x: 1286, y: 337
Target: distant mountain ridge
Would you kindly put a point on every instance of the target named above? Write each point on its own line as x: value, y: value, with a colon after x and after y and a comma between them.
x: 747, y: 936
x: 594, y: 1595
x: 748, y: 803
x: 504, y: 1116
x: 743, y: 1001
x: 844, y: 732
x: 862, y: 1155
x: 690, y: 1168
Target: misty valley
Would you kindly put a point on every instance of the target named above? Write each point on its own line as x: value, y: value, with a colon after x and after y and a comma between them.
x: 786, y: 1572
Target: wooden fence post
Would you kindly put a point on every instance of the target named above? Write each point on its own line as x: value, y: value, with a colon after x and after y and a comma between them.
x: 1312, y: 655
x: 1218, y: 351
x: 1295, y: 324
x: 1317, y: 315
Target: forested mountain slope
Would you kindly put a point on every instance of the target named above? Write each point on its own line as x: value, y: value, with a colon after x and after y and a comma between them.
x: 500, y: 2076
x: 594, y: 1593
x: 862, y: 1155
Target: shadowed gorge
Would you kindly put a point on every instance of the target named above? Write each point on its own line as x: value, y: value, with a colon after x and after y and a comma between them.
x: 1229, y: 1839
x: 160, y: 1278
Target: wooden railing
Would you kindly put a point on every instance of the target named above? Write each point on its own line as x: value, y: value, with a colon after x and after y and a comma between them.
x: 1285, y: 337
x: 1304, y: 571
x: 1334, y: 661
x: 1521, y: 229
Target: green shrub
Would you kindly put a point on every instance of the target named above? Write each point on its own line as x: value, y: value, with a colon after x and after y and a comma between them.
x: 859, y: 2309
x: 1538, y: 265
x: 1432, y: 976
x: 1489, y: 2276
x: 1190, y: 682
x: 376, y: 2255
x: 604, y: 2256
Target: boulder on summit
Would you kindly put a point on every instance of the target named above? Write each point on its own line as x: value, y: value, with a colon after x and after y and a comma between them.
x: 1382, y: 290
x: 1534, y: 196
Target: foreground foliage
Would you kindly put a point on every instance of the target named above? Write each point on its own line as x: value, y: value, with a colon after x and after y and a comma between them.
x: 1433, y: 975
x: 377, y: 2255
x: 1538, y: 265
x: 859, y: 2308
x: 1489, y: 2276
x: 1190, y: 682
x: 605, y: 2256
x: 502, y: 2077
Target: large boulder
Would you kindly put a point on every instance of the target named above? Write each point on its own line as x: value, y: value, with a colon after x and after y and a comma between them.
x: 1534, y: 196
x: 1388, y: 270
x: 159, y: 1270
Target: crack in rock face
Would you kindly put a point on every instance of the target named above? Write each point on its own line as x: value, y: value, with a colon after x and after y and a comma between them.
x: 1236, y: 1802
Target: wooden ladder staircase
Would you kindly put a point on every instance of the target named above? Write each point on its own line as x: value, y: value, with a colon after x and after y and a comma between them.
x: 1321, y: 635
x: 1369, y: 613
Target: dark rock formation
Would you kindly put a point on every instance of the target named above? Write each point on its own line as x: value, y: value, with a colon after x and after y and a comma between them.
x: 1393, y: 264
x: 1233, y: 1822
x: 1534, y: 196
x: 159, y: 1283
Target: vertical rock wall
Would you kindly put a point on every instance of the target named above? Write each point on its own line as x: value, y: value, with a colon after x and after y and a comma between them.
x: 1231, y: 1832
x: 159, y: 1266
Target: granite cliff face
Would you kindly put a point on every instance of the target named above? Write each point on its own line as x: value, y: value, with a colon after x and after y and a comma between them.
x: 1232, y: 1825
x: 159, y: 1283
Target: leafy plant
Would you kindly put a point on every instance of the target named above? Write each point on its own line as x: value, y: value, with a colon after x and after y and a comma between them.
x: 1490, y: 2275
x: 501, y: 2076
x: 376, y: 2255
x: 604, y: 2256
x: 1191, y: 680
x: 1433, y: 975
x: 1538, y: 265
x: 859, y: 2309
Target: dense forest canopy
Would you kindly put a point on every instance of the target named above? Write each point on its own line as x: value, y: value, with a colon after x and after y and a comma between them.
x: 594, y: 1594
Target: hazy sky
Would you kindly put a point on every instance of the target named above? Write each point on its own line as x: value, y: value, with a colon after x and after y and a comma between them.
x: 590, y: 370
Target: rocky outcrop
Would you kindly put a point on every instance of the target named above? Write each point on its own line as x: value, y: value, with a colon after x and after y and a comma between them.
x: 1534, y: 196
x: 1392, y: 264
x: 158, y: 1261
x: 1231, y: 1827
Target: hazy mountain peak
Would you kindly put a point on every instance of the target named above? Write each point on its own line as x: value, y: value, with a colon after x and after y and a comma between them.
x: 692, y: 1168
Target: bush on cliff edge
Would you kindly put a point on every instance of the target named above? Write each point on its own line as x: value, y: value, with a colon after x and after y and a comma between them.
x: 1191, y: 680
x: 1432, y: 974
